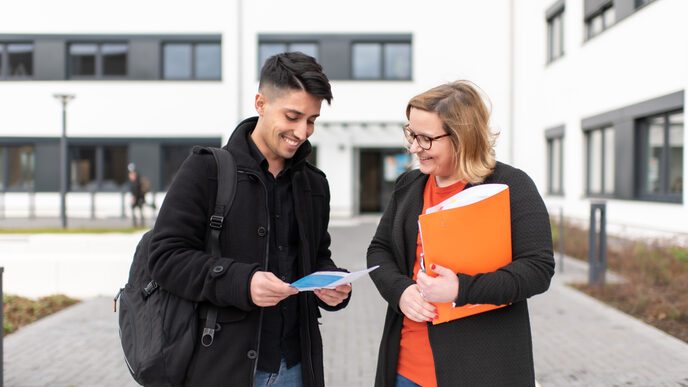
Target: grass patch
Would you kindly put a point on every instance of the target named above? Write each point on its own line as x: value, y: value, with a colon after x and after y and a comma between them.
x: 20, y: 311
x: 656, y: 279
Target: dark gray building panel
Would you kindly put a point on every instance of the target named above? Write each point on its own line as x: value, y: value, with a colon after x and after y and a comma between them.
x: 554, y: 9
x: 144, y: 59
x: 47, y: 170
x: 335, y: 57
x: 624, y: 159
x: 555, y: 132
x: 591, y: 7
x: 146, y: 156
x: 49, y: 60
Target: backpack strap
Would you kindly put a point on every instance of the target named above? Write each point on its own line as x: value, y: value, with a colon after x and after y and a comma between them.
x: 226, y: 188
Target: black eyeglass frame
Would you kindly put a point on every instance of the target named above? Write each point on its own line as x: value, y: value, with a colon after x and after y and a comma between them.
x: 411, y: 137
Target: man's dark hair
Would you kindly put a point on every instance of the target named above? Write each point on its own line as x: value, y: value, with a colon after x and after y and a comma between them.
x: 296, y: 71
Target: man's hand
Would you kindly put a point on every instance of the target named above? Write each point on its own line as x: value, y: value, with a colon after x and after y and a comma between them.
x: 334, y: 297
x: 443, y: 288
x: 415, y: 307
x: 268, y: 290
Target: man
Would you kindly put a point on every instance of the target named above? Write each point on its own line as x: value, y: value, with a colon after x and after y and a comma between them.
x: 275, y: 233
x: 138, y: 197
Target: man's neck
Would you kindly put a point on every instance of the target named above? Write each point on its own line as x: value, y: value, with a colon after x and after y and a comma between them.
x: 275, y: 166
x: 275, y: 163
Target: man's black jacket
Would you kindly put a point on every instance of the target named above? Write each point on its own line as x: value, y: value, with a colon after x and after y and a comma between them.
x: 179, y: 263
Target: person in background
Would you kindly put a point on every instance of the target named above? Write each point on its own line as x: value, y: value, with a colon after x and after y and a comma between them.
x: 138, y: 196
x: 268, y: 332
x: 448, y: 132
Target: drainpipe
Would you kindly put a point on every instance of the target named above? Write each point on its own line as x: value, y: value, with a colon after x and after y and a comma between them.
x: 512, y: 130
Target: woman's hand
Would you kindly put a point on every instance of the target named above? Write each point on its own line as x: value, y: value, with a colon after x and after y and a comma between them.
x: 415, y: 307
x: 334, y: 297
x: 443, y: 288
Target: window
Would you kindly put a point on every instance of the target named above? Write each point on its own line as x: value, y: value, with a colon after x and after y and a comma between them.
x: 661, y: 157
x: 172, y: 158
x: 82, y: 168
x: 375, y: 60
x: 102, y: 167
x: 16, y: 60
x: 114, y: 59
x: 98, y: 60
x: 600, y: 161
x: 555, y: 36
x: 600, y: 21
x: 21, y: 164
x: 192, y: 61
x: 555, y: 165
x: 270, y: 48
x: 114, y: 168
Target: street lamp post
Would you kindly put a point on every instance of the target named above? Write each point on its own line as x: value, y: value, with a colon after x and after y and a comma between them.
x: 64, y: 98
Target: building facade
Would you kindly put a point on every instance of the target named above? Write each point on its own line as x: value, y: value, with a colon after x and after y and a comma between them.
x: 603, y: 94
x: 587, y: 95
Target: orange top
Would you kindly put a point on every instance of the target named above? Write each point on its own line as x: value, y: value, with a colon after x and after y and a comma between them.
x: 416, y: 362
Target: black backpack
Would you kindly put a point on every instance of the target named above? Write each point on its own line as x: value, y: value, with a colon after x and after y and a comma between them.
x: 158, y: 330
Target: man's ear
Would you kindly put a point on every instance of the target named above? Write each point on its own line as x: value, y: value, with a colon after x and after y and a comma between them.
x: 260, y: 103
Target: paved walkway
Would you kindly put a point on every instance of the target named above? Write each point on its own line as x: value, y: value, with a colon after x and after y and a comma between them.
x: 577, y: 340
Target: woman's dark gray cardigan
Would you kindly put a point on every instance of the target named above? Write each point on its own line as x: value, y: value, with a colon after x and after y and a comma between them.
x: 487, y: 349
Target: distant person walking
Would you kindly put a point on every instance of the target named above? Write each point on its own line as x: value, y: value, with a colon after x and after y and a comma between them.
x: 138, y: 194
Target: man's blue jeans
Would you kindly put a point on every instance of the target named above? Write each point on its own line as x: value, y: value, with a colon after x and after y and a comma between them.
x: 283, y: 378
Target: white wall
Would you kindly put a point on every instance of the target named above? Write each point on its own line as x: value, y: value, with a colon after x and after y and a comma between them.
x: 639, y: 58
x: 128, y: 108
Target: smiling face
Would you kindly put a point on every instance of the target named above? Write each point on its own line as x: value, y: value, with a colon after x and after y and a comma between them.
x: 438, y: 160
x: 286, y: 118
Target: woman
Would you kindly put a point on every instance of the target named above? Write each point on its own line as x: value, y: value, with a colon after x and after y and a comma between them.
x: 448, y: 133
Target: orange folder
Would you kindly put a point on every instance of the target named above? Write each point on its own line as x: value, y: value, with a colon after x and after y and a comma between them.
x: 468, y: 233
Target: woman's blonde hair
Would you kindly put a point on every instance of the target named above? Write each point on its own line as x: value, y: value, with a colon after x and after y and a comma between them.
x: 465, y: 116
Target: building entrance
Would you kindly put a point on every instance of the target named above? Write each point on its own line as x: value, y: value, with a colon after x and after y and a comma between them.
x: 378, y: 169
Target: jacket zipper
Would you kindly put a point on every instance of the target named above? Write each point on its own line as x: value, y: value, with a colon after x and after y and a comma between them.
x: 267, y: 255
x: 308, y: 356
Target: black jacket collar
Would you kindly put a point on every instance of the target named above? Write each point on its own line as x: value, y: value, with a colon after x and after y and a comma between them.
x: 239, y: 144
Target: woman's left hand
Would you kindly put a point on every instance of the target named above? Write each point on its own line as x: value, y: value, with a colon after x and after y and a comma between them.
x: 443, y: 288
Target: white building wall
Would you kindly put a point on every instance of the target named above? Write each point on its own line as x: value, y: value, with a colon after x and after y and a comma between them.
x: 639, y: 58
x: 126, y: 108
x: 451, y: 40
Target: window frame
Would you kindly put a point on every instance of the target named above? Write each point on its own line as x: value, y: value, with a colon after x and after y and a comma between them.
x: 383, y: 58
x: 98, y: 182
x: 553, y: 14
x: 6, y: 173
x: 555, y: 137
x: 194, y: 53
x: 99, y: 60
x: 599, y: 15
x: 5, y: 61
x: 641, y: 170
x: 604, y: 191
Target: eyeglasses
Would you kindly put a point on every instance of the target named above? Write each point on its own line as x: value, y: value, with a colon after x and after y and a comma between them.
x: 424, y: 142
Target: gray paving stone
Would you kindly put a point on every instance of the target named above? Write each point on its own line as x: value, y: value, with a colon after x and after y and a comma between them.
x: 577, y: 340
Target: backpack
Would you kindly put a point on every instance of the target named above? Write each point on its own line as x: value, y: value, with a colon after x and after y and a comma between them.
x: 145, y: 185
x: 157, y: 329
